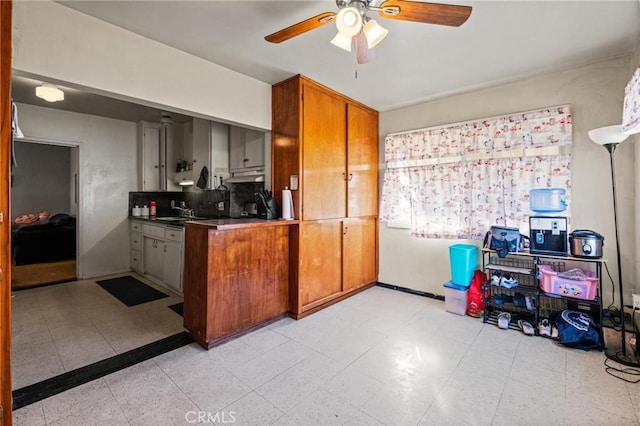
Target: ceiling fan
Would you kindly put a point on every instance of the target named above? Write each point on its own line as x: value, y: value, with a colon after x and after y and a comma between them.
x: 354, y: 26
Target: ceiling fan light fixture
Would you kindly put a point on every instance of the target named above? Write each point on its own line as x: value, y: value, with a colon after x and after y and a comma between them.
x: 349, y: 21
x: 49, y: 92
x: 342, y: 41
x: 374, y: 32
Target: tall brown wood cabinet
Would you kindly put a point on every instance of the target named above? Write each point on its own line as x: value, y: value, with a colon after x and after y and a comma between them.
x: 328, y: 145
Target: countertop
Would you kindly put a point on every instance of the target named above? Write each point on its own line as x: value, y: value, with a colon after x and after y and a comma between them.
x: 225, y: 223
x: 218, y: 223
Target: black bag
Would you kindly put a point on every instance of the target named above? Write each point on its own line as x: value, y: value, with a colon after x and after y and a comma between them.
x: 504, y: 240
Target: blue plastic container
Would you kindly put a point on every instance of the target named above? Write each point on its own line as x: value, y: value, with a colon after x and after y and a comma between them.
x: 547, y: 200
x: 464, y: 261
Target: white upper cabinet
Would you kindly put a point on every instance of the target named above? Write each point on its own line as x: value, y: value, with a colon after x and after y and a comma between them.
x: 206, y: 144
x: 219, y: 152
x: 149, y: 156
x: 157, y: 147
x: 246, y: 149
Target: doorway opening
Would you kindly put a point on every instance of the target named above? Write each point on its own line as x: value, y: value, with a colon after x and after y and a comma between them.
x: 44, y: 210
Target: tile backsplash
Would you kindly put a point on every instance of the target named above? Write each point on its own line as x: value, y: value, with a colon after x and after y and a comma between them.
x: 205, y: 203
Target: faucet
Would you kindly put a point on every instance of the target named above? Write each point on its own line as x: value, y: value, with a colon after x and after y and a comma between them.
x: 184, y: 210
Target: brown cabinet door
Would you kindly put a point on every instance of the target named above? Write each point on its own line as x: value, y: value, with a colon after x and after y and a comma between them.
x: 362, y: 160
x: 324, y: 155
x: 359, y: 262
x: 320, y: 273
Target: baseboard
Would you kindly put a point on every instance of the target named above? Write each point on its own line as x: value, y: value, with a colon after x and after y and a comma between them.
x: 410, y: 291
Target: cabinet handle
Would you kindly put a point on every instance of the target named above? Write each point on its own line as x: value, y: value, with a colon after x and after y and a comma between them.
x: 156, y: 166
x: 344, y: 176
x: 350, y: 176
x: 135, y: 241
x: 346, y: 229
x: 165, y: 248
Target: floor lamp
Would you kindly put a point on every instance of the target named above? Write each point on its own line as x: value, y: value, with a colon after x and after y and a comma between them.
x: 610, y: 137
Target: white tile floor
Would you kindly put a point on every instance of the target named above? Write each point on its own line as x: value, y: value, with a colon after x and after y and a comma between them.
x: 380, y: 357
x: 62, y: 327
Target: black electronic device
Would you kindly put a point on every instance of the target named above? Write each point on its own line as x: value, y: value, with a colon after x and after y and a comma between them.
x: 548, y: 235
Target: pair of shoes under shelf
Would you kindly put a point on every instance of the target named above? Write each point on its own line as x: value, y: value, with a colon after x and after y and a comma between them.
x: 547, y: 330
x: 506, y: 280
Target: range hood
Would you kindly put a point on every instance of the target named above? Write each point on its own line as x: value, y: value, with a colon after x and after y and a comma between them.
x: 247, y: 176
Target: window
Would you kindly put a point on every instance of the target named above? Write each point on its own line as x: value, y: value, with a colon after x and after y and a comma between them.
x: 455, y: 181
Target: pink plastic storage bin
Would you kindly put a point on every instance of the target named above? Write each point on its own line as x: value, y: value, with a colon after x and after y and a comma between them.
x: 550, y: 282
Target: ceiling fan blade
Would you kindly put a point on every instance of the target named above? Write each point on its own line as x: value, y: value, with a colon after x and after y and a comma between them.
x: 301, y: 27
x: 428, y: 13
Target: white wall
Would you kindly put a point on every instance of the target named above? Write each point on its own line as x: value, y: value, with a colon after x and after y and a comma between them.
x: 595, y: 93
x: 107, y: 151
x: 64, y: 46
x: 40, y: 181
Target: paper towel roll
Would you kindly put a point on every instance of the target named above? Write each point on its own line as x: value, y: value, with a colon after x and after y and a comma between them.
x: 287, y: 205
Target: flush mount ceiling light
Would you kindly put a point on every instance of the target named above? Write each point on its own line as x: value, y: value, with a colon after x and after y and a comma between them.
x: 352, y: 20
x: 49, y: 92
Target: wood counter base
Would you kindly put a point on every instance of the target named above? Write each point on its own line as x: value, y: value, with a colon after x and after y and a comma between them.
x: 236, y: 278
x: 329, y: 302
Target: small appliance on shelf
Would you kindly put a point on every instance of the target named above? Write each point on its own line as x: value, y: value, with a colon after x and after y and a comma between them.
x: 547, y: 231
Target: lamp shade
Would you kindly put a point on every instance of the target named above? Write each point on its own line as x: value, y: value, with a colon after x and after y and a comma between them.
x: 349, y: 21
x: 608, y: 134
x: 342, y: 41
x: 49, y: 93
x: 374, y: 33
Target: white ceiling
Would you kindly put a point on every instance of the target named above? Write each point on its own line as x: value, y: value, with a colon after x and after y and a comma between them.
x: 502, y: 41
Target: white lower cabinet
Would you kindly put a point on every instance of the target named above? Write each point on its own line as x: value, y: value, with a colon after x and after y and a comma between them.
x: 136, y: 246
x: 154, y: 257
x: 160, y: 254
x: 173, y: 265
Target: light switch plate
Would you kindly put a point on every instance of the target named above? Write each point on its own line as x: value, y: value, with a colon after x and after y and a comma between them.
x: 636, y: 301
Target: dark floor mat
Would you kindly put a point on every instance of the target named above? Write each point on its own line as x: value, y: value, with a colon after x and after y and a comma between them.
x: 131, y: 291
x: 47, y: 388
x: 178, y: 308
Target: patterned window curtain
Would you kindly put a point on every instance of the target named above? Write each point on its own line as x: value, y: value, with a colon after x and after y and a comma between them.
x: 456, y: 181
x: 631, y: 107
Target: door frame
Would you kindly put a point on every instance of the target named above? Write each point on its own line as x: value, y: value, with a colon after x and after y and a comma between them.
x: 5, y: 212
x: 79, y: 224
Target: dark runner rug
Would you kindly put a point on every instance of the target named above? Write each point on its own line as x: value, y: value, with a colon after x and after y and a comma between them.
x: 130, y: 291
x: 178, y: 308
x: 47, y: 388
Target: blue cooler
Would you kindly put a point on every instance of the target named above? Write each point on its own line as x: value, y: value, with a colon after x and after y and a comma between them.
x: 455, y: 298
x: 464, y: 261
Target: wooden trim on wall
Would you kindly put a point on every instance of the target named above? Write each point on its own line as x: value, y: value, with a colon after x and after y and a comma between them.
x: 5, y: 214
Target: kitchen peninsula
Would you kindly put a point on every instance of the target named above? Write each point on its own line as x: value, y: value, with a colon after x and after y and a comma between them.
x: 236, y: 276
